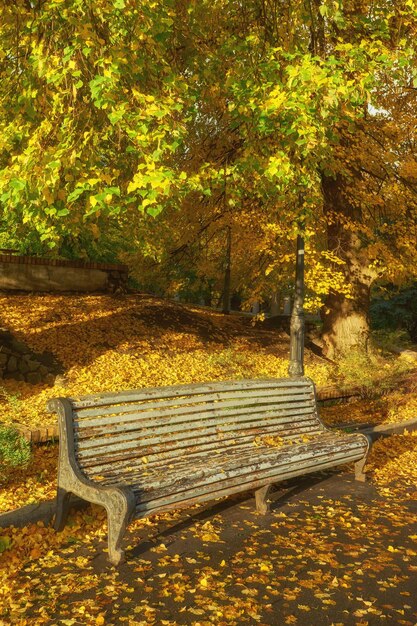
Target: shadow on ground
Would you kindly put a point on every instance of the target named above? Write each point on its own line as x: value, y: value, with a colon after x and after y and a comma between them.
x: 332, y: 551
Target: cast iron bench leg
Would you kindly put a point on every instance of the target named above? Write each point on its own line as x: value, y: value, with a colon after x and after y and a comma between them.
x: 62, y: 508
x: 120, y: 511
x: 359, y: 473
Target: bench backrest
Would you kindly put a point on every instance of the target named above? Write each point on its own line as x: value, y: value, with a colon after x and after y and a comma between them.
x: 158, y: 425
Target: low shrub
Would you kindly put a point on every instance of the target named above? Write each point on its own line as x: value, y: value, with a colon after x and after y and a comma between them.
x: 15, y: 450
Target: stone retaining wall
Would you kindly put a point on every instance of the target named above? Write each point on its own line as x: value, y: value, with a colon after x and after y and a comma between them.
x: 26, y: 273
x: 23, y: 367
x: 19, y: 362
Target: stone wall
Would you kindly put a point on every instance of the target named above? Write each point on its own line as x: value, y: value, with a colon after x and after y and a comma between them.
x: 19, y: 362
x: 25, y: 273
x: 23, y: 367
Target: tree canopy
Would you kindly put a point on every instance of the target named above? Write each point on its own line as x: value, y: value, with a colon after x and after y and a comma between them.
x: 151, y: 128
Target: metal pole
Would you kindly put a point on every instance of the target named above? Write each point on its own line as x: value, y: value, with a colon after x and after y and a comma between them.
x: 296, y: 366
x: 227, y: 272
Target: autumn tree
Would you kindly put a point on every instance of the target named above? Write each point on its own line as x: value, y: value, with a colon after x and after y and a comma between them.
x: 113, y: 110
x: 301, y: 102
x: 91, y: 116
x: 323, y: 96
x: 369, y: 199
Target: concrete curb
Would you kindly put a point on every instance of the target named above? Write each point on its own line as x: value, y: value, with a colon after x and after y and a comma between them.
x: 381, y: 430
x: 29, y: 514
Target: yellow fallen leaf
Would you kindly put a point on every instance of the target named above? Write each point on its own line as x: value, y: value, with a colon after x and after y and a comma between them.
x: 265, y: 567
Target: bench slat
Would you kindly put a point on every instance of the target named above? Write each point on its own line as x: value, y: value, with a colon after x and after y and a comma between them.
x: 180, y: 404
x: 104, y: 445
x: 189, y: 414
x: 238, y: 419
x: 235, y: 458
x: 162, y: 438
x: 93, y: 466
x: 275, y: 475
x: 104, y: 399
x: 210, y: 484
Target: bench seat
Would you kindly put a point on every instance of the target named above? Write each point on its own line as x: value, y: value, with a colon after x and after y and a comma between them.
x: 231, y: 470
x: 145, y: 451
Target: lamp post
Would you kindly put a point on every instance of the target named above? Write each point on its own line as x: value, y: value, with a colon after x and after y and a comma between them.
x: 297, y: 327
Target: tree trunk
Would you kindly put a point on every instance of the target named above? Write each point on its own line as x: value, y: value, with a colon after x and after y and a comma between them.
x: 346, y: 320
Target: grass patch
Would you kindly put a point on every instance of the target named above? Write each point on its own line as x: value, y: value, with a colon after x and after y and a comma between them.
x: 15, y: 450
x: 373, y: 373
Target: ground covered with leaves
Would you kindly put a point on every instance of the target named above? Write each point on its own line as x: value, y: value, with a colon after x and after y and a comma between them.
x: 332, y: 551
x: 105, y: 343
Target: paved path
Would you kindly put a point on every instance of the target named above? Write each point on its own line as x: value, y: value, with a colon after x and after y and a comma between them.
x: 332, y: 552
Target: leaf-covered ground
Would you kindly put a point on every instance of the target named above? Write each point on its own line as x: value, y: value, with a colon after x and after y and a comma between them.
x: 135, y: 341
x: 397, y: 406
x: 332, y: 551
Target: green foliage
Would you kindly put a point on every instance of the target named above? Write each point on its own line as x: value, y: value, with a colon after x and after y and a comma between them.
x: 5, y: 543
x: 90, y: 116
x: 395, y: 309
x: 388, y: 341
x: 15, y: 450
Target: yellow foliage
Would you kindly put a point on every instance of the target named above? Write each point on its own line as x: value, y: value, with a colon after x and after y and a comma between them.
x: 107, y: 344
x: 393, y: 464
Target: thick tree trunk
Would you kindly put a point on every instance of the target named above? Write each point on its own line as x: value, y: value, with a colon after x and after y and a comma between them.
x: 346, y: 320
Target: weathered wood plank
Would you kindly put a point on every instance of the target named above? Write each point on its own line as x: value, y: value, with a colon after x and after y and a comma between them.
x: 104, y: 445
x: 173, y: 415
x: 234, y: 464
x: 165, y: 425
x: 96, y: 464
x: 237, y: 459
x: 104, y: 399
x: 239, y: 420
x: 205, y: 491
x: 162, y: 433
x: 180, y: 404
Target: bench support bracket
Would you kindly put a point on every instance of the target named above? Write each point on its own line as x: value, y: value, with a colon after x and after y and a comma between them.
x: 359, y: 473
x: 120, y: 511
x: 263, y: 504
x: 359, y: 465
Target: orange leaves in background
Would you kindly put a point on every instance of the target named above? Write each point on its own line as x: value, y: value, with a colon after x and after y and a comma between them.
x: 134, y: 341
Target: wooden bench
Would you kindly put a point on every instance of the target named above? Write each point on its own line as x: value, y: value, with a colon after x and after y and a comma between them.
x: 149, y: 450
